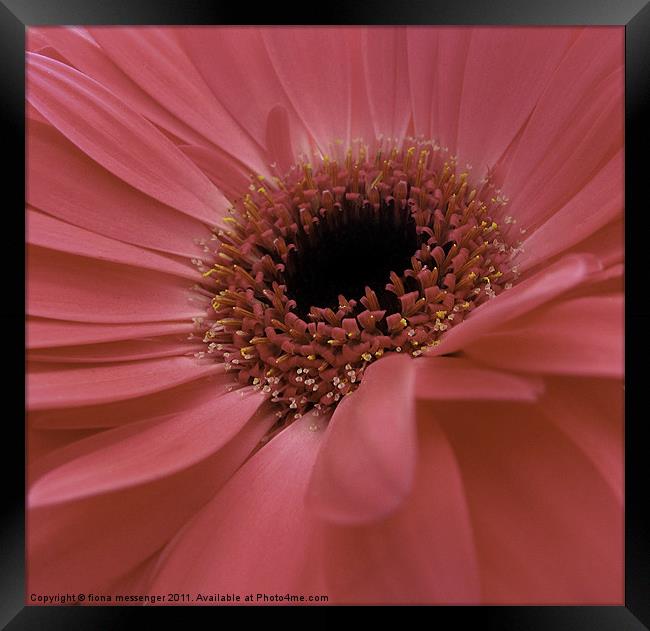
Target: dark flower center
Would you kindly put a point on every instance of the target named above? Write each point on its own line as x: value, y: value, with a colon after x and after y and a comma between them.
x: 359, y: 250
x: 331, y: 267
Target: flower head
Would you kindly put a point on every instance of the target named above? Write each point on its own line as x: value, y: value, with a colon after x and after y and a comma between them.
x: 326, y: 311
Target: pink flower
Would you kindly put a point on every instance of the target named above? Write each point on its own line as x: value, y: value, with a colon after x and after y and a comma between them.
x: 189, y: 425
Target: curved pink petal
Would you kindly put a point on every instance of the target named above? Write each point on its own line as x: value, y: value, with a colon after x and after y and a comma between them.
x: 255, y: 535
x: 154, y: 59
x: 576, y: 128
x: 82, y: 52
x: 590, y: 413
x: 527, y: 295
x: 53, y: 234
x: 608, y: 244
x: 505, y: 73
x: 68, y: 287
x: 122, y: 351
x: 148, y: 407
x: 99, y: 201
x: 422, y: 554
x: 365, y: 467
x: 102, y: 126
x: 436, y: 61
x: 582, y: 336
x: 278, y: 138
x: 42, y: 333
x: 144, y: 451
x: 35, y: 39
x: 135, y: 581
x: 86, y: 544
x: 599, y: 202
x: 229, y: 177
x: 235, y: 64
x: 32, y: 115
x: 456, y: 378
x: 610, y: 280
x: 314, y: 67
x: 547, y: 526
x: 42, y: 442
x: 386, y: 75
x: 56, y: 387
x: 361, y: 120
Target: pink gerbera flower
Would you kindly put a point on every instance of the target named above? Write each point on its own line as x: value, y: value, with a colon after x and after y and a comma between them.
x: 326, y: 311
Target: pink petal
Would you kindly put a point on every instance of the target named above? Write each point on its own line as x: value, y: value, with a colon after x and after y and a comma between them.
x: 51, y: 233
x: 144, y: 451
x: 583, y: 336
x: 611, y: 279
x: 43, y: 333
x: 456, y: 378
x: 76, y: 45
x: 576, y: 128
x: 235, y: 64
x: 314, y: 67
x: 436, y: 59
x: 361, y: 120
x: 547, y: 528
x: 55, y: 387
x: 67, y: 287
x: 506, y: 72
x: 522, y: 298
x: 608, y: 244
x: 34, y: 39
x: 422, y: 554
x: 278, y: 138
x: 135, y: 581
x: 99, y: 201
x: 590, y: 413
x: 87, y: 544
x: 230, y: 178
x: 102, y: 126
x: 41, y: 443
x: 599, y: 202
x: 148, y: 407
x: 154, y: 59
x: 122, y: 351
x: 365, y: 468
x: 32, y: 115
x: 255, y: 535
x: 387, y: 82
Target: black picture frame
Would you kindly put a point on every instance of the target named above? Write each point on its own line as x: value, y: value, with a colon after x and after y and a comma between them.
x: 634, y: 15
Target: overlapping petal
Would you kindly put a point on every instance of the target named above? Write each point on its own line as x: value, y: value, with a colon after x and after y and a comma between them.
x: 423, y: 553
x: 135, y: 453
x: 547, y: 526
x: 316, y: 73
x: 118, y: 138
x: 87, y: 544
x: 98, y: 201
x: 580, y: 336
x: 52, y: 386
x: 256, y: 535
x: 68, y: 287
x: 365, y: 467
